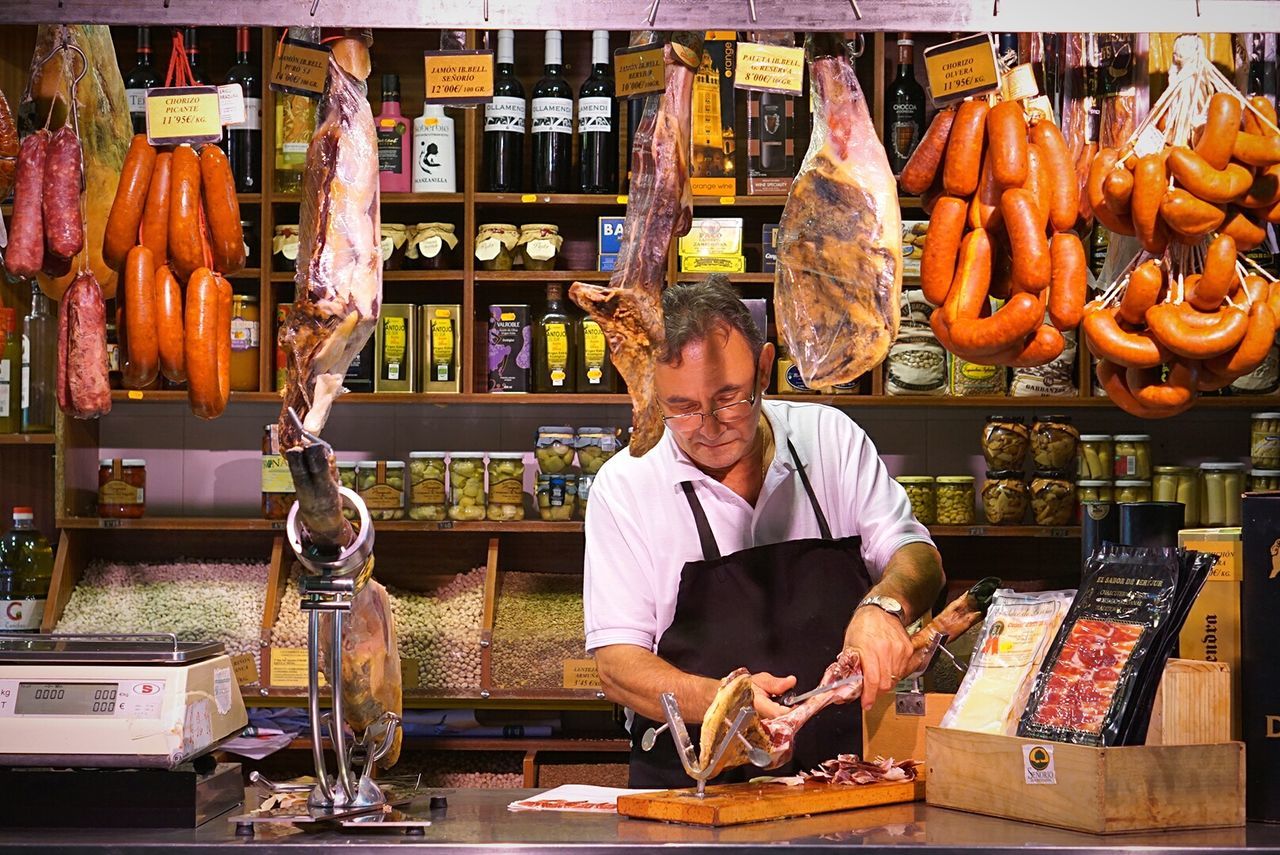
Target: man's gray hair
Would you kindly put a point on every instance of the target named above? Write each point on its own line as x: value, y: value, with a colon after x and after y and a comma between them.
x: 694, y: 310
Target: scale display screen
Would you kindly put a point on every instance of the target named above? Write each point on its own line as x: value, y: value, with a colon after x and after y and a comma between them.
x: 66, y: 699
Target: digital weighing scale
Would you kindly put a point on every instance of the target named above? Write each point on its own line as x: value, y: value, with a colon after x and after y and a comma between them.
x: 94, y: 725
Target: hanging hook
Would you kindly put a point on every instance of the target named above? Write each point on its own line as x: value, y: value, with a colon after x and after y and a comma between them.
x: 857, y: 13
x: 486, y: 11
x: 859, y: 45
x: 652, y: 14
x: 751, y: 5
x: 315, y: 5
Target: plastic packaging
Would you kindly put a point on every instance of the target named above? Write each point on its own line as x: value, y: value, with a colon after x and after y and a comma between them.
x: 916, y: 365
x: 1053, y: 442
x: 466, y: 486
x: 973, y: 379
x: 1097, y: 457
x: 506, y: 486
x: 956, y: 495
x: 1056, y: 379
x: 1005, y: 440
x: 1005, y: 497
x: 1053, y: 498
x: 1133, y: 456
x: 554, y: 449
x: 428, y: 497
x: 921, y: 492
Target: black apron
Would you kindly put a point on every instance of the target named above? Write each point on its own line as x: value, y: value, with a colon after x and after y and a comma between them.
x: 781, y: 608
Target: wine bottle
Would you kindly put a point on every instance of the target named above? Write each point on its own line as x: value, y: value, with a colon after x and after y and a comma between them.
x: 394, y: 172
x: 193, y: 54
x: 243, y: 142
x: 552, y: 124
x: 904, y: 120
x: 140, y: 78
x: 504, y: 123
x: 598, y: 123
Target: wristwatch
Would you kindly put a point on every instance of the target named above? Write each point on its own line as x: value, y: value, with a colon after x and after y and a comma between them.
x: 889, y: 604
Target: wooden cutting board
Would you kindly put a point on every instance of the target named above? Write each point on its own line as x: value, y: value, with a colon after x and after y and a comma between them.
x: 732, y: 804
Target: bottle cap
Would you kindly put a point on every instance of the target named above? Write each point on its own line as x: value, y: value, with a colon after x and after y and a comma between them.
x: 390, y: 85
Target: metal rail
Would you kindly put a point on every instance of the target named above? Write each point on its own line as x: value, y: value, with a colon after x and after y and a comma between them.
x: 809, y: 15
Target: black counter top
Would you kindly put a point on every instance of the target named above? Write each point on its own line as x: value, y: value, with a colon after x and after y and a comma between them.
x: 479, y: 819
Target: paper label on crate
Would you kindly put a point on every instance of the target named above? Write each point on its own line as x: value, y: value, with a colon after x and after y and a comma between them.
x: 961, y: 68
x: 581, y: 674
x: 770, y: 68
x: 458, y: 76
x: 289, y: 668
x: 183, y: 114
x: 222, y: 689
x: 638, y: 71
x: 1037, y: 764
x: 245, y: 668
x: 299, y: 68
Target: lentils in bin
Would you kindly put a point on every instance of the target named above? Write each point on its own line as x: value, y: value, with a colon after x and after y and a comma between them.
x: 537, y: 626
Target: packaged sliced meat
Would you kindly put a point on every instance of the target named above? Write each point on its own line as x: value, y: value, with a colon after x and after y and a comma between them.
x: 1013, y: 643
x: 1094, y: 668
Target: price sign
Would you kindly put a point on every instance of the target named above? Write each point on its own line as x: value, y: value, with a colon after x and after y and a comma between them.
x: 459, y: 77
x: 638, y: 71
x: 581, y: 674
x: 183, y: 114
x: 289, y: 668
x: 961, y: 68
x: 299, y: 68
x: 246, y: 669
x: 770, y: 68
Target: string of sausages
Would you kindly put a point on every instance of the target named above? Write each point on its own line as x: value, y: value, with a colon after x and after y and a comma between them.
x: 1189, y: 313
x: 175, y: 221
x: 998, y: 182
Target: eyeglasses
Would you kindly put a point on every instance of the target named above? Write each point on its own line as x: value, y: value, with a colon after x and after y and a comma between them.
x: 726, y: 415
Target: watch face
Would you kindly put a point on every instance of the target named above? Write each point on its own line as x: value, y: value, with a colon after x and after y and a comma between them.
x: 889, y: 604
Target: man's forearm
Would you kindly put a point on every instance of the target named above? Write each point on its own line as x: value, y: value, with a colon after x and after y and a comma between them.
x: 913, y: 577
x: 635, y: 677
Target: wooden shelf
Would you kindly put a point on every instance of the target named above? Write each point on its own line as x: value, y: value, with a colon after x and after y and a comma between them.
x: 397, y: 276
x: 422, y: 198
x: 733, y: 277
x: 247, y: 273
x: 604, y: 199
x: 249, y: 198
x: 1036, y: 531
x: 435, y: 398
x: 739, y: 201
x: 27, y: 439
x: 275, y: 697
x: 516, y: 277
x: 463, y: 743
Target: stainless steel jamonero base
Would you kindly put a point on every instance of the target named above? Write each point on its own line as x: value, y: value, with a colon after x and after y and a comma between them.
x: 689, y: 755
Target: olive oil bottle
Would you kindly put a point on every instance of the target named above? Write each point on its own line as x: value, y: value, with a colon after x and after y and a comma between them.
x: 595, y: 368
x: 553, y: 349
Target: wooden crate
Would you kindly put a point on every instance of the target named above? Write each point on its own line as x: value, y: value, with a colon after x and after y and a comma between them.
x: 1192, y: 705
x: 888, y: 733
x: 1096, y: 790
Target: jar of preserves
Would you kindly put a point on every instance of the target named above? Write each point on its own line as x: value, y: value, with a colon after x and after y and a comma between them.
x: 1053, y: 442
x: 956, y: 496
x: 466, y: 486
x: 249, y: 232
x: 539, y: 244
x: 381, y: 485
x: 1005, y: 497
x: 284, y: 247
x: 554, y: 449
x: 506, y: 486
x: 1092, y: 491
x: 432, y: 246
x: 1053, y: 497
x: 495, y: 243
x: 1264, y: 445
x: 557, y: 497
x: 1097, y: 457
x: 428, y: 499
x: 1178, y: 484
x: 393, y: 242
x: 122, y: 488
x: 920, y: 491
x: 245, y: 342
x: 1221, y: 488
x: 1005, y: 440
x: 1131, y: 490
x: 596, y: 445
x: 1133, y: 456
x: 277, y: 481
x: 1261, y: 480
x: 347, y: 478
x: 584, y: 489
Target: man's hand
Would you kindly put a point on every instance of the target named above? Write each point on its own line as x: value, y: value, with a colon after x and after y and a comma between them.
x: 765, y: 684
x: 882, y: 645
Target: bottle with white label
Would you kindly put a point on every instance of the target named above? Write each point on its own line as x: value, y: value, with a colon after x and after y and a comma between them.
x: 10, y: 372
x: 140, y: 78
x: 598, y: 123
x: 243, y: 142
x: 552, y: 124
x: 504, y: 123
x: 26, y: 570
x: 434, y: 167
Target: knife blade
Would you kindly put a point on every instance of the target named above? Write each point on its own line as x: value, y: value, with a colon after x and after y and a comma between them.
x: 791, y: 698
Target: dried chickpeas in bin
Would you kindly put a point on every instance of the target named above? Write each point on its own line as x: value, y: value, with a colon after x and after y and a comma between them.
x: 381, y: 485
x: 428, y: 496
x: 1053, y: 442
x: 595, y: 446
x: 1053, y: 498
x: 557, y: 497
x: 1005, y: 440
x: 466, y: 486
x: 1005, y: 497
x: 347, y: 478
x: 506, y: 486
x: 554, y: 449
x: 956, y: 496
x: 1133, y: 456
x: 1097, y: 461
x: 1264, y: 440
x: 920, y: 491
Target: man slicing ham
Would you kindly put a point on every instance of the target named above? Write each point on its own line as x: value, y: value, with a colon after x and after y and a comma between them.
x: 758, y: 534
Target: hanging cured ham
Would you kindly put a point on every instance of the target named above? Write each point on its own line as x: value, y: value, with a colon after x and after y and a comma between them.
x: 839, y: 244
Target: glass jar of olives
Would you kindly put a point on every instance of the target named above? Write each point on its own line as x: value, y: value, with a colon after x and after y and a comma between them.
x: 584, y: 490
x: 595, y: 446
x: 1004, y: 442
x: 506, y: 486
x: 557, y: 497
x: 428, y: 497
x: 466, y: 486
x: 381, y: 485
x: 554, y: 449
x: 920, y: 492
x: 955, y: 499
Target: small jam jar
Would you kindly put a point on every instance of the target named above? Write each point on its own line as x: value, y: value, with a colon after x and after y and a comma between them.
x: 122, y: 488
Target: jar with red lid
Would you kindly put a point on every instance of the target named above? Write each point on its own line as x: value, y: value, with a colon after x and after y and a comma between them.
x: 122, y: 488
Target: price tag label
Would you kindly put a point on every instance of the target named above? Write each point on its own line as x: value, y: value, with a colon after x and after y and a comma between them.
x: 108, y: 522
x: 529, y: 197
x: 134, y: 395
x: 231, y: 104
x: 770, y: 68
x: 581, y: 674
x: 183, y: 114
x: 246, y: 669
x: 961, y: 68
x: 728, y: 200
x: 289, y: 668
x: 638, y: 71
x: 459, y: 76
x: 299, y: 68
x: 622, y: 200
